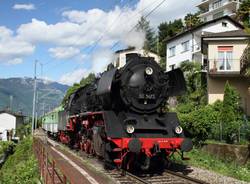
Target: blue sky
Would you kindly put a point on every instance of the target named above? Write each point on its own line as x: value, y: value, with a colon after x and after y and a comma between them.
x: 61, y: 34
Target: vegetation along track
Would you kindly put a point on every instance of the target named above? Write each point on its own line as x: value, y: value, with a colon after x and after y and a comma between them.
x: 124, y: 177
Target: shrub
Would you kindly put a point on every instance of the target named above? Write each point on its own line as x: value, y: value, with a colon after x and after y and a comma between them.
x: 198, y: 123
x: 21, y: 167
x: 4, y: 146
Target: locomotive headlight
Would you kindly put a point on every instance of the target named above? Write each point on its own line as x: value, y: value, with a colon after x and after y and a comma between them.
x: 130, y: 129
x: 149, y: 71
x: 178, y: 129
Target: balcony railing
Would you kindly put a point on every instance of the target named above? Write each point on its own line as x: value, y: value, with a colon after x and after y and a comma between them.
x: 215, y: 6
x: 224, y: 66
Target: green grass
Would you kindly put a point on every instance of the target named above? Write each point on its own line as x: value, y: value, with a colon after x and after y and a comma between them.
x: 4, y: 145
x: 203, y: 160
x: 21, y: 167
x: 211, y: 141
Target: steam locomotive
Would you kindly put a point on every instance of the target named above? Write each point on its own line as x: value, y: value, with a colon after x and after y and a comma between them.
x: 121, y: 116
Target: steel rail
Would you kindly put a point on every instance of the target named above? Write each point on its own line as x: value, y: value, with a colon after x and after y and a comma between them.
x: 124, y: 173
x: 186, y: 177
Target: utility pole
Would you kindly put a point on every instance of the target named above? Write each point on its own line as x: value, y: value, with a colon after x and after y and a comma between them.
x: 43, y: 109
x: 34, y: 100
x: 11, y: 102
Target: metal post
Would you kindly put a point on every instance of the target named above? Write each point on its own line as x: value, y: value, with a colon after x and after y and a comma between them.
x: 35, y: 127
x: 11, y: 101
x: 43, y: 108
x: 220, y: 131
x: 53, y: 172
x: 34, y: 100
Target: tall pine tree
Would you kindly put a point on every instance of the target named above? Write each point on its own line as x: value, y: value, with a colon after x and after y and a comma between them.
x: 150, y: 43
x: 231, y: 114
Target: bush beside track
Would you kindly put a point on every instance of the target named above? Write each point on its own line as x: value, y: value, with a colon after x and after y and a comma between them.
x: 21, y: 167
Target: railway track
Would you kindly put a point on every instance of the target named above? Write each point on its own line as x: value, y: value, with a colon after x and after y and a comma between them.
x: 167, y: 177
x: 124, y: 177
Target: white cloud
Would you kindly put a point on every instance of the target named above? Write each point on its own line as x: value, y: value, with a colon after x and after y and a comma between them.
x: 24, y: 7
x: 80, y: 29
x: 14, y: 61
x: 169, y: 10
x: 75, y: 76
x: 12, y: 49
x: 64, y: 52
x: 83, y: 28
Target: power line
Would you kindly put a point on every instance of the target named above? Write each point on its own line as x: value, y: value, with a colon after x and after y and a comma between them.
x: 92, y: 48
x: 130, y: 18
x: 157, y: 6
x: 102, y: 36
x: 95, y: 43
x: 115, y: 44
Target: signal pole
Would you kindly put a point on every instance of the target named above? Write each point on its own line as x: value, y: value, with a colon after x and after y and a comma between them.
x: 34, y: 100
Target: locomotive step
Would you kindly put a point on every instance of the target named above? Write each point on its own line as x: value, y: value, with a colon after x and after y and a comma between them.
x: 117, y: 161
x: 117, y: 149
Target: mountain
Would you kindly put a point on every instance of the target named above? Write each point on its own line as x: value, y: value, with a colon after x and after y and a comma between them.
x: 18, y: 93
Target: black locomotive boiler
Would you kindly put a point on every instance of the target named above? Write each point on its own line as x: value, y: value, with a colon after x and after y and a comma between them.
x: 121, y: 115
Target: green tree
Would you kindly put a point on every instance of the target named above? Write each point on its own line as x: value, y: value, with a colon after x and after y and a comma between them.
x: 245, y: 60
x: 150, y: 43
x: 165, y: 31
x: 231, y: 114
x: 243, y: 13
x: 196, y: 87
x: 90, y: 78
x: 192, y: 20
x: 84, y: 81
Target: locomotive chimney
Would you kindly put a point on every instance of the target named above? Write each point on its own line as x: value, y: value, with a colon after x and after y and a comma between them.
x: 131, y: 57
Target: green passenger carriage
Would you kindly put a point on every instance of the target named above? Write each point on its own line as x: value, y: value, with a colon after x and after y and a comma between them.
x: 54, y: 120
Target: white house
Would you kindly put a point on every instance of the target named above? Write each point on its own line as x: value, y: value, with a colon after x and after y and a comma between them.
x: 120, y: 56
x: 186, y: 46
x: 213, y: 9
x: 9, y: 122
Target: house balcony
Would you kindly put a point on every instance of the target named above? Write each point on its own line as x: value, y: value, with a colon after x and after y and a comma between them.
x: 226, y: 67
x: 230, y: 6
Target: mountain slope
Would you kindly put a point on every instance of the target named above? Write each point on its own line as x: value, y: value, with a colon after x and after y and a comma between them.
x: 20, y: 92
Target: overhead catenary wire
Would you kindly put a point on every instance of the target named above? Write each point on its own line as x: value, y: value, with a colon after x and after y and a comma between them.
x: 102, y: 36
x: 89, y: 46
x: 116, y: 43
x: 92, y: 48
x: 148, y: 14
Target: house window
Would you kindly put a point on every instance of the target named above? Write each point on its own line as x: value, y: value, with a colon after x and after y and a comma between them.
x: 185, y: 46
x: 224, y: 24
x: 225, y: 58
x: 172, y: 51
x: 217, y: 4
x: 218, y: 15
